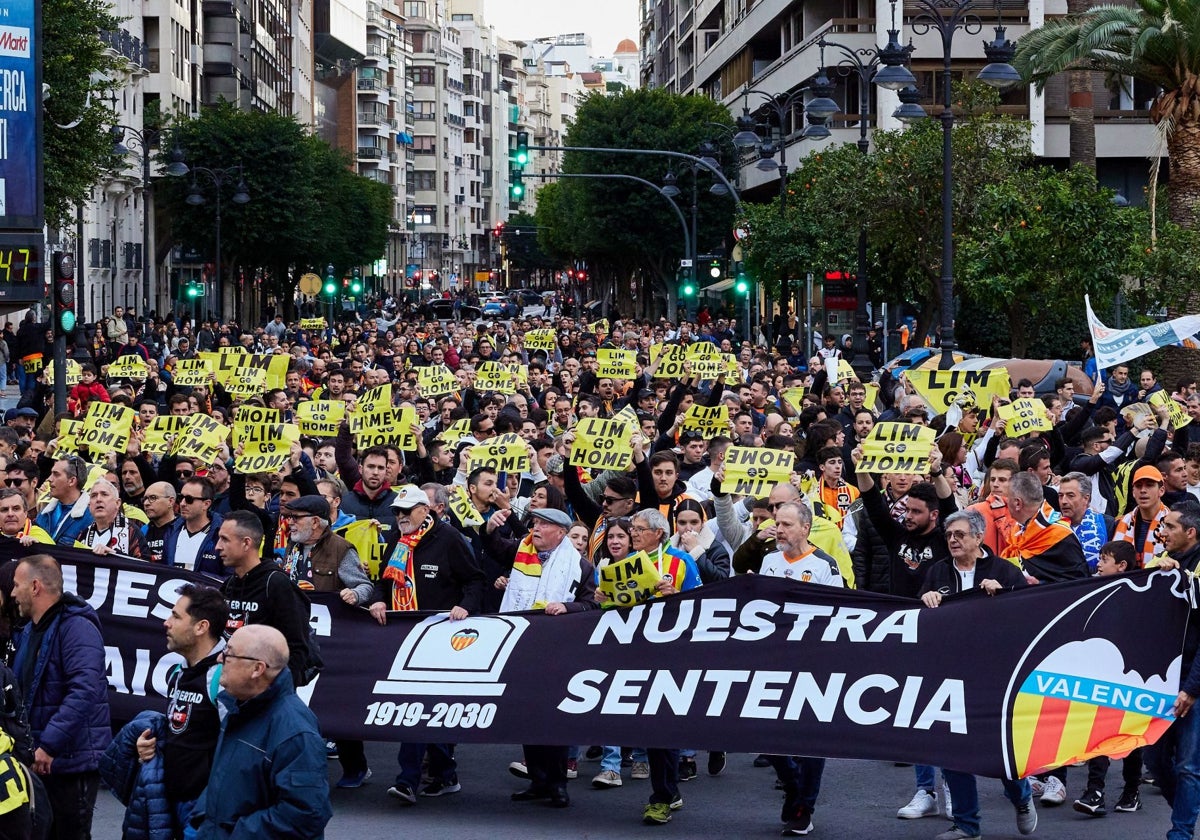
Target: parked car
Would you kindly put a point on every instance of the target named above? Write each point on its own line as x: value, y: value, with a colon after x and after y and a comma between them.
x: 495, y: 306
x: 530, y: 297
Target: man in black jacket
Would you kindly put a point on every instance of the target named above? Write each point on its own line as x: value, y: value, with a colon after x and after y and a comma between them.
x: 429, y: 567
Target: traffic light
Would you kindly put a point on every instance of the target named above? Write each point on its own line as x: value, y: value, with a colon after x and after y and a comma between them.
x: 356, y: 286
x: 742, y: 286
x: 64, y: 293
x: 330, y: 282
x: 517, y: 187
x: 688, y: 289
x: 522, y: 156
x: 194, y: 290
x: 715, y: 269
x: 498, y: 231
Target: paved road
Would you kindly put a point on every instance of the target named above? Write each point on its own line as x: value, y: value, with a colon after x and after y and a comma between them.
x: 858, y: 800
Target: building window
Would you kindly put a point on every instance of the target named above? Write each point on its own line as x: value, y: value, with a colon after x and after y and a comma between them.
x: 415, y: 8
x: 424, y: 144
x: 422, y: 76
x: 421, y: 215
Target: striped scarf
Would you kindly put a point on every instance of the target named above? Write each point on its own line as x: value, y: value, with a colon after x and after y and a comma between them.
x: 1127, y: 531
x: 399, y: 568
x: 1091, y: 533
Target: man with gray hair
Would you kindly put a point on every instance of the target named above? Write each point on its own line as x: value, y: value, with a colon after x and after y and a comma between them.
x: 111, y: 531
x: 269, y: 736
x: 1046, y: 548
x: 1091, y: 528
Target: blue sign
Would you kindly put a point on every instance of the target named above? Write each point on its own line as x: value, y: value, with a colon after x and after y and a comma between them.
x: 20, y: 116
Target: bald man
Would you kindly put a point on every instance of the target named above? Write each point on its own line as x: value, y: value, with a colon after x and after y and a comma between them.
x: 268, y: 777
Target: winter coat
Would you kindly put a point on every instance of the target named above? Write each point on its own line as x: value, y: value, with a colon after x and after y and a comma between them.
x: 207, y: 559
x: 139, y: 787
x: 268, y: 778
x: 74, y: 523
x: 712, y: 560
x: 67, y: 697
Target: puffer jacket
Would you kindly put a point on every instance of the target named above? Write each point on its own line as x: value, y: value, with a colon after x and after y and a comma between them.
x: 141, y: 788
x: 871, y: 561
x: 712, y: 560
x: 67, y: 698
x: 268, y: 778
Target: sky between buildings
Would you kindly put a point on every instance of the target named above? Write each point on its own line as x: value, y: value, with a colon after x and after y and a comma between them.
x: 606, y: 21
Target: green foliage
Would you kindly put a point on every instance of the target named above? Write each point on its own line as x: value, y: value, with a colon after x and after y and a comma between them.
x: 1163, y: 273
x: 75, y: 64
x: 307, y: 206
x: 521, y: 242
x: 1041, y: 240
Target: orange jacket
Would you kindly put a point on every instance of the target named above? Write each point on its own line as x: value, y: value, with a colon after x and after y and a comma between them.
x: 999, y: 524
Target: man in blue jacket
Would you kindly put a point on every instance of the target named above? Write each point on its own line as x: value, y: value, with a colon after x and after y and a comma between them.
x: 191, y: 540
x: 66, y: 516
x: 268, y: 776
x: 60, y: 668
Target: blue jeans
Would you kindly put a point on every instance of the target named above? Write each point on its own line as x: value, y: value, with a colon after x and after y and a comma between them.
x: 611, y: 759
x: 442, y: 766
x: 965, y: 796
x: 801, y: 778
x: 926, y: 777
x: 1181, y: 786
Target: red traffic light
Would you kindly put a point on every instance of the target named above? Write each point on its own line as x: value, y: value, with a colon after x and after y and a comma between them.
x: 582, y: 276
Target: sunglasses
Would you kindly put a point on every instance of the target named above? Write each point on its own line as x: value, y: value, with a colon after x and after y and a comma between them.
x: 185, y: 473
x: 15, y: 482
x: 187, y: 500
x: 612, y: 500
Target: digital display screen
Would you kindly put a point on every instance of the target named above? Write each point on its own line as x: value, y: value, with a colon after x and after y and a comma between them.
x: 22, y: 267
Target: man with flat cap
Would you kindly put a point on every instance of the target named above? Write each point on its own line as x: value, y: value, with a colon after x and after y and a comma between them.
x: 548, y: 574
x: 318, y: 559
x: 429, y: 567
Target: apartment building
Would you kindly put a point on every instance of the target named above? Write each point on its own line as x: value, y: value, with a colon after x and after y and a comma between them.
x: 722, y: 48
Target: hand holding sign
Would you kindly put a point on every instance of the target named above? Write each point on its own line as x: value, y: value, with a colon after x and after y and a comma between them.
x: 897, y: 448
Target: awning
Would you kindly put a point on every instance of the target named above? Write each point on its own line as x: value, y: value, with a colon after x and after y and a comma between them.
x: 719, y: 286
x: 405, y: 138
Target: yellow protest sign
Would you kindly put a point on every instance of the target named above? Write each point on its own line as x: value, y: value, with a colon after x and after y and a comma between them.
x: 598, y: 327
x: 190, y: 372
x: 200, y: 439
x: 940, y: 388
x: 507, y: 453
x: 364, y: 535
x: 160, y: 432
x: 1179, y: 416
x: 872, y: 395
x: 624, y: 583
x: 794, y: 397
x: 541, y: 340
x: 373, y: 401
x: 320, y: 418
x: 255, y: 415
x: 844, y: 372
x: 68, y: 435
x: 436, y: 381
x: 753, y: 472
x: 265, y: 447
x: 629, y: 417
x: 1025, y: 416
x: 710, y: 421
x: 616, y: 364
x: 455, y: 432
x: 495, y: 377
x: 247, y: 381
x: 897, y: 448
x: 74, y: 373
x: 393, y: 427
x: 463, y: 508
x: 669, y: 359
x: 106, y: 428
x: 312, y: 323
x: 227, y: 363
x: 707, y: 360
x: 602, y: 444
x: 128, y: 367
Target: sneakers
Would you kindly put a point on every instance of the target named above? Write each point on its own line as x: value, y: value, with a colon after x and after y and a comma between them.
x: 947, y: 804
x: 640, y: 770
x: 518, y: 769
x: 1055, y: 792
x: 677, y: 802
x: 572, y: 768
x: 798, y: 825
x: 331, y: 750
x: 1091, y: 803
x: 687, y: 769
x: 923, y: 804
x: 656, y: 813
x: 353, y: 780
x: 716, y: 763
x: 402, y: 792
x: 606, y: 779
x: 957, y: 833
x: 1036, y: 786
x: 1026, y: 817
x: 1129, y: 802
x: 439, y: 788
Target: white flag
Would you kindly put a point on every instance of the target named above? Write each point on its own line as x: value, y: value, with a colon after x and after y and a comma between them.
x: 1115, y: 346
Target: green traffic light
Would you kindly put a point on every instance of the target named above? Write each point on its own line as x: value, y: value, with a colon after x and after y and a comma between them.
x: 66, y: 320
x: 355, y: 287
x: 743, y: 285
x: 518, y: 190
x: 330, y: 288
x: 192, y: 291
x: 688, y: 290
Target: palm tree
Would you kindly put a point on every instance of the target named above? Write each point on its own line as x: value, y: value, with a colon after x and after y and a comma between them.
x: 1081, y: 105
x: 1157, y: 42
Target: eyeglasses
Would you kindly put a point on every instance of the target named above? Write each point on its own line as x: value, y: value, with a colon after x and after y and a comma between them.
x: 15, y: 482
x: 252, y: 490
x: 150, y: 497
x: 957, y: 535
x: 293, y: 517
x: 185, y: 473
x: 185, y: 499
x: 640, y: 529
x: 606, y: 499
x: 223, y: 655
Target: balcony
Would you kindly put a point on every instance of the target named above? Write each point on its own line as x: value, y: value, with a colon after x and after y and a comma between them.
x: 370, y: 153
x: 370, y: 119
x: 370, y: 85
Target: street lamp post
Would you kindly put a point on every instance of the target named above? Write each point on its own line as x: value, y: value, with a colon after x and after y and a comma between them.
x: 946, y: 17
x: 778, y: 108
x: 195, y: 197
x: 886, y: 67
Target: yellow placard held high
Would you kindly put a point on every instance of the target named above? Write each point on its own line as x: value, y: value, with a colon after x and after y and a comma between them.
x: 754, y: 472
x: 541, y: 340
x: 709, y: 421
x: 507, y: 453
x: 436, y: 381
x: 495, y: 377
x: 670, y: 359
x: 602, y: 444
x: 106, y: 428
x: 1179, y: 416
x: 940, y: 388
x: 616, y: 364
x: 320, y: 418
x: 191, y: 372
x: 463, y: 508
x: 897, y: 448
x: 128, y: 367
x: 1025, y: 416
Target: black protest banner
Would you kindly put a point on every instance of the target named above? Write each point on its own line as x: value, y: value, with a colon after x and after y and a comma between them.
x: 1006, y: 685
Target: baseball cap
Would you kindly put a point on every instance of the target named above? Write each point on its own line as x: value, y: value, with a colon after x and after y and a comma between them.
x: 409, y: 496
x: 1147, y: 473
x: 553, y: 516
x: 554, y: 466
x: 314, y: 505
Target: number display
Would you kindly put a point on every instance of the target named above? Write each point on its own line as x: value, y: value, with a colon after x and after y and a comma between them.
x: 442, y: 715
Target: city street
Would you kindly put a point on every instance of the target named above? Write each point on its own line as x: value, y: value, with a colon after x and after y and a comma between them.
x: 858, y: 799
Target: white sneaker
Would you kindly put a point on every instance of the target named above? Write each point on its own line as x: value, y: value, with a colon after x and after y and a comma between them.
x: 1055, y: 792
x: 607, y: 779
x: 1036, y: 786
x: 947, y: 805
x: 923, y: 804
